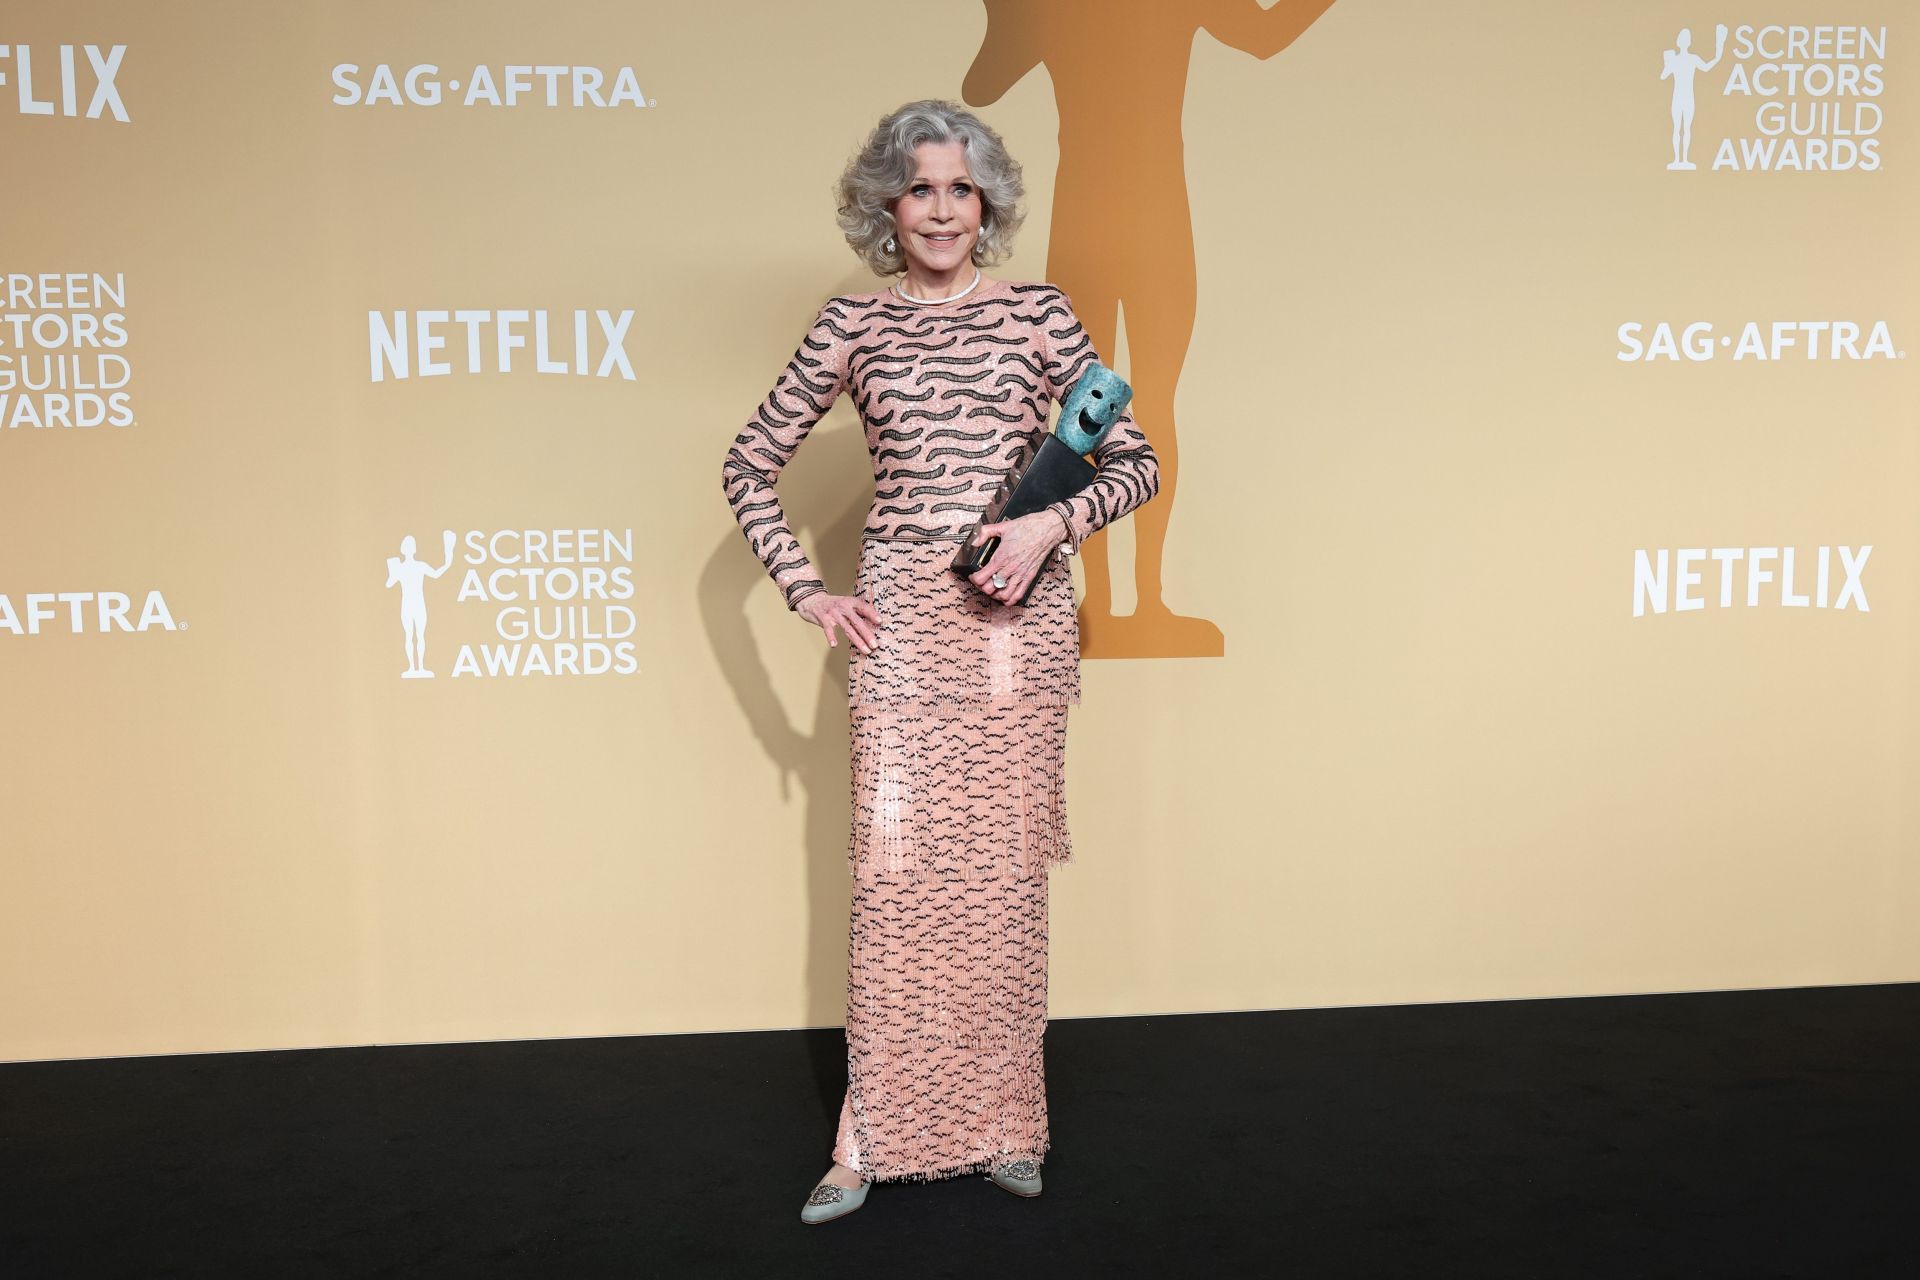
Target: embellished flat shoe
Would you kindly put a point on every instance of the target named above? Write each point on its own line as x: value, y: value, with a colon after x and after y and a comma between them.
x: 1022, y: 1177
x: 827, y: 1202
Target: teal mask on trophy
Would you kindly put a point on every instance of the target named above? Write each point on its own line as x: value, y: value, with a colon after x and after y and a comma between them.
x: 1091, y: 408
x: 1050, y: 467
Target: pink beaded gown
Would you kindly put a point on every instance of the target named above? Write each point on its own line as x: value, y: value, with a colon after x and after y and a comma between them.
x: 958, y: 717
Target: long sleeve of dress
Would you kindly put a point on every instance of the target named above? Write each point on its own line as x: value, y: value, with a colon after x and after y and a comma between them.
x: 805, y: 390
x: 1128, y: 470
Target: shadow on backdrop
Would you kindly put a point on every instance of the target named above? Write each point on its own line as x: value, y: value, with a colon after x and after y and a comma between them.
x: 815, y: 756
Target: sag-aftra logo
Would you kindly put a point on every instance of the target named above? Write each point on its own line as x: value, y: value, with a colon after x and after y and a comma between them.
x: 81, y: 612
x: 524, y: 84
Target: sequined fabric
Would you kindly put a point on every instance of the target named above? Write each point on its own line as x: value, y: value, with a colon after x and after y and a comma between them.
x: 948, y: 647
x: 958, y: 720
x: 958, y: 729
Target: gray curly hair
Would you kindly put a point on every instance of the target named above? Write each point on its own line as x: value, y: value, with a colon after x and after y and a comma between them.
x: 883, y: 169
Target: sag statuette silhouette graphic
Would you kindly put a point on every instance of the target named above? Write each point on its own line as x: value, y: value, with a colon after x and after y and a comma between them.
x: 1119, y: 71
x: 1680, y: 65
x: 410, y: 576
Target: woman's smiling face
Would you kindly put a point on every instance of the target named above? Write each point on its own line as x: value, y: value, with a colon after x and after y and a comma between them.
x: 939, y: 216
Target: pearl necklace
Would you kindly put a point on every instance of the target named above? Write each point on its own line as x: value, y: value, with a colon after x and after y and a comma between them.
x: 927, y: 302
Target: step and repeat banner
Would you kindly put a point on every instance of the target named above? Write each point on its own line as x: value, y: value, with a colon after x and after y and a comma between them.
x: 1529, y: 608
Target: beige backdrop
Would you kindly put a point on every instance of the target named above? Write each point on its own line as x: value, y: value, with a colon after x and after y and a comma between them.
x: 1440, y: 759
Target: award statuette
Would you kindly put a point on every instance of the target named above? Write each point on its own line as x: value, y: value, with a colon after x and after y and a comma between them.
x: 1051, y: 467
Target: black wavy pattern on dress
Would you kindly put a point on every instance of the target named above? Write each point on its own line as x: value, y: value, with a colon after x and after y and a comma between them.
x: 992, y: 364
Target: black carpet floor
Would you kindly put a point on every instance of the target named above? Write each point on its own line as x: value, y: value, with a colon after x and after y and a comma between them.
x: 1740, y: 1134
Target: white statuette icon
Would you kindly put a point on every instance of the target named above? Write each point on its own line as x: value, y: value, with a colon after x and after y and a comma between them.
x: 410, y: 576
x: 1679, y: 66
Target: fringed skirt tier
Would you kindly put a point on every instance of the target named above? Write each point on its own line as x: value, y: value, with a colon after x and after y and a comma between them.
x: 958, y: 726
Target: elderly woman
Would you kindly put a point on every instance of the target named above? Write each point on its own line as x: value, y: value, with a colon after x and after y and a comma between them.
x: 958, y: 688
